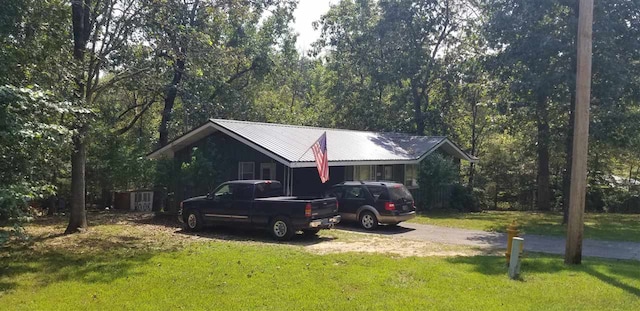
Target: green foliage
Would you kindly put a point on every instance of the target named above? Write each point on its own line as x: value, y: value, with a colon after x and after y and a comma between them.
x: 473, y: 71
x: 207, y: 167
x: 201, y: 175
x: 31, y: 151
x: 436, y: 175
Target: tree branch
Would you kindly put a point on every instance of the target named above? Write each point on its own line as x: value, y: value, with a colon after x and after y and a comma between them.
x: 135, y: 119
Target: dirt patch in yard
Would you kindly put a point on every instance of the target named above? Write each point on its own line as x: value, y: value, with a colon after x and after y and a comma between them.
x: 148, y: 232
x: 370, y: 243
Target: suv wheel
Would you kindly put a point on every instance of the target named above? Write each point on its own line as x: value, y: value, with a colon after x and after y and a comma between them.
x: 281, y: 229
x: 368, y: 220
x: 193, y: 221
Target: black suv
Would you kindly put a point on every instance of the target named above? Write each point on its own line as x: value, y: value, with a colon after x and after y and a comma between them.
x: 373, y: 202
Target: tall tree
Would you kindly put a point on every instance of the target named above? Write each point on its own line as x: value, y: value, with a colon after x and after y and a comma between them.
x: 101, y: 31
x: 533, y: 55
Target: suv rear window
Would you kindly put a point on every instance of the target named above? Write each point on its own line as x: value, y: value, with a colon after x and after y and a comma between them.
x: 400, y: 192
x: 378, y: 192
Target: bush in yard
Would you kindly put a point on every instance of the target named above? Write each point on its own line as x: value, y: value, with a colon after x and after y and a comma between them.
x: 463, y: 200
x: 205, y: 169
x: 435, y: 176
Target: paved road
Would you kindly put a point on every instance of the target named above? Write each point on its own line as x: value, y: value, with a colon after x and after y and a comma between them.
x: 534, y: 243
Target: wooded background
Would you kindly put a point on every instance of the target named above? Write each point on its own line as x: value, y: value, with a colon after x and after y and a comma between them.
x: 103, y: 82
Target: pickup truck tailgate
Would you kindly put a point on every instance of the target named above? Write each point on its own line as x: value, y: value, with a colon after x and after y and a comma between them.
x: 321, y: 208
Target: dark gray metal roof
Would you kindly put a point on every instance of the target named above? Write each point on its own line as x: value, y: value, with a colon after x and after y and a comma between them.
x: 290, y: 144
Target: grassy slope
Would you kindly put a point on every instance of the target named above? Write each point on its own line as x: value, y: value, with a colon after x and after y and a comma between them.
x: 117, y: 267
x: 619, y: 227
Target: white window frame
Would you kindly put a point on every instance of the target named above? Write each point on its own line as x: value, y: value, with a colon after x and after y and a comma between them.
x: 272, y: 170
x: 414, y: 181
x: 372, y: 172
x: 241, y: 173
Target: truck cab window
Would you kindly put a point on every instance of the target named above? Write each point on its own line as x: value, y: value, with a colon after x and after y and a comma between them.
x: 267, y: 190
x: 223, y: 193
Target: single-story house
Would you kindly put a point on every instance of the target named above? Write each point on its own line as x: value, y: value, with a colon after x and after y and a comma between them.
x: 282, y: 152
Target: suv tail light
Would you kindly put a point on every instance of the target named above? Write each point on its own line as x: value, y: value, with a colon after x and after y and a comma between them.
x: 181, y: 203
x: 390, y: 206
x: 307, y: 210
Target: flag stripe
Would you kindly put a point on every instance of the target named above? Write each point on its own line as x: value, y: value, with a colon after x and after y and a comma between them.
x: 320, y: 154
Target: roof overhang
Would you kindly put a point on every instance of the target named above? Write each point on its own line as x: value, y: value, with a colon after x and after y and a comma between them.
x: 353, y: 163
x: 201, y: 132
x: 451, y: 148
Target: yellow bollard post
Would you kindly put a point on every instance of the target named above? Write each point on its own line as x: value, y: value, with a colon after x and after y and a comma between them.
x: 512, y: 232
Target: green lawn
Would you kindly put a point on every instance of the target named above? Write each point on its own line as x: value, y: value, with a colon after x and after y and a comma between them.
x: 619, y: 227
x: 124, y: 267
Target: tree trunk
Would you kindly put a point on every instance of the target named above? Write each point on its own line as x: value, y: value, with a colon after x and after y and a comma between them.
x: 80, y: 10
x: 53, y: 206
x: 417, y: 109
x: 544, y: 195
x: 169, y: 100
x: 78, y: 217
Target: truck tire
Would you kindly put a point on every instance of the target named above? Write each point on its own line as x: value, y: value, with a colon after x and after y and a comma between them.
x: 281, y: 229
x: 193, y: 222
x: 368, y: 220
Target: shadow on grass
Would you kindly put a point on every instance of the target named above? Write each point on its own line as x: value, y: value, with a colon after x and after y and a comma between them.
x: 114, y: 259
x: 253, y: 235
x: 611, y: 280
x: 611, y: 272
x: 228, y: 233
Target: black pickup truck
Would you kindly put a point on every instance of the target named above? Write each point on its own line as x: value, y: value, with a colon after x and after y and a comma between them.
x: 259, y: 204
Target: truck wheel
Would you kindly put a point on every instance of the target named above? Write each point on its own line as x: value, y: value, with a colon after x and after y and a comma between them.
x: 281, y: 229
x: 193, y: 221
x: 368, y: 220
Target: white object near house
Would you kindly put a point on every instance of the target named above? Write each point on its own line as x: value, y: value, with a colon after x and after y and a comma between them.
x: 514, y: 263
x: 141, y: 201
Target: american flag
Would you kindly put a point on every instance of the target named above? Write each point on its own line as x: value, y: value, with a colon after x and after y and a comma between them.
x: 320, y: 153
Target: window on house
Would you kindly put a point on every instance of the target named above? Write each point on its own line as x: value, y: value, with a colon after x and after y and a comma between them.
x: 348, y: 173
x: 268, y: 171
x: 246, y: 170
x: 363, y: 172
x: 388, y: 172
x: 411, y: 175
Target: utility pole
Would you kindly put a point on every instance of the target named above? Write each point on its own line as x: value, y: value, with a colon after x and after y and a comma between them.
x: 573, y: 252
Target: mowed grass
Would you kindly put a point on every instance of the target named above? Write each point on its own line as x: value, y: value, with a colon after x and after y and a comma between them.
x: 615, y: 227
x: 110, y: 269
